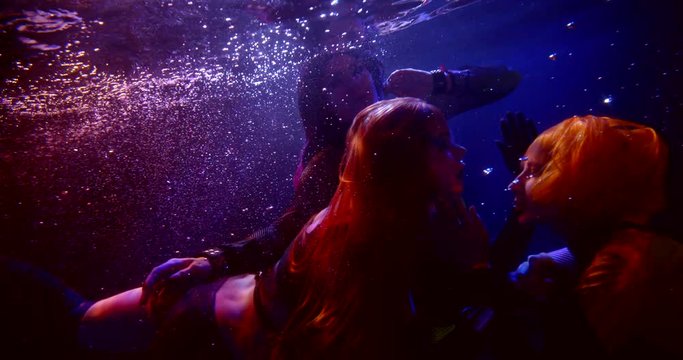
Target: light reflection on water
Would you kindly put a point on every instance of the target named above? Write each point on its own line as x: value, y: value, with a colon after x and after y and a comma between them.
x: 124, y: 143
x: 252, y: 62
x: 176, y: 43
x: 133, y: 131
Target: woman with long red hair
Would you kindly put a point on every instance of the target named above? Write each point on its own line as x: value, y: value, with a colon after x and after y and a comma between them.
x: 357, y: 281
x: 357, y: 264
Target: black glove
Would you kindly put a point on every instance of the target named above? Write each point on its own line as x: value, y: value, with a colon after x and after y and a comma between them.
x: 518, y: 133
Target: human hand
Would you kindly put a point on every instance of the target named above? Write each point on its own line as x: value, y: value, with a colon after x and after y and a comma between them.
x: 178, y: 273
x: 467, y: 244
x: 541, y: 276
x: 518, y: 133
x: 475, y: 237
x: 410, y: 82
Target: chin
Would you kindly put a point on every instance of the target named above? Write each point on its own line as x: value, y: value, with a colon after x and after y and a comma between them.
x: 525, y: 218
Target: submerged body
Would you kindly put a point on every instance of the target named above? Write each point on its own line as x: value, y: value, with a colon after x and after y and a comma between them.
x: 357, y: 279
x: 599, y: 182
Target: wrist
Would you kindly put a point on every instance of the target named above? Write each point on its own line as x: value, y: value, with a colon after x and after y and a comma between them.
x: 460, y: 80
x: 216, y: 258
x: 440, y: 82
x: 450, y: 81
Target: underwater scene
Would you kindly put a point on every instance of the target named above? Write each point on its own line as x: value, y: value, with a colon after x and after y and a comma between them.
x: 134, y: 132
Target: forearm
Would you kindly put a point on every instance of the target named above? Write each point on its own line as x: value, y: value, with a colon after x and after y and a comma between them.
x: 260, y: 250
x: 256, y: 253
x: 117, y: 324
x: 454, y: 91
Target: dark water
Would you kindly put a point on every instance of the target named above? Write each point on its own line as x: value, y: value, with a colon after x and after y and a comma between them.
x: 133, y: 131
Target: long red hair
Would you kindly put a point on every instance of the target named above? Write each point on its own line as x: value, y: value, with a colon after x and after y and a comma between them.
x: 357, y: 266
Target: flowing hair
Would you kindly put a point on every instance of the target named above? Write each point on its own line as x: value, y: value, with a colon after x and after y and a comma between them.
x: 318, y: 117
x: 357, y: 267
x: 601, y: 171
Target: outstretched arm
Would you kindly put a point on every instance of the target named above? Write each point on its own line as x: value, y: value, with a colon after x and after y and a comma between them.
x: 120, y: 324
x: 454, y: 91
x: 117, y: 324
x: 262, y: 249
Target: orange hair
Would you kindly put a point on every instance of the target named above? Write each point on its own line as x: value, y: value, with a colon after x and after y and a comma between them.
x: 357, y: 268
x: 601, y: 171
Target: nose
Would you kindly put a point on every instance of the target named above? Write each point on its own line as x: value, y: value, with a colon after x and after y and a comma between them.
x: 514, y: 185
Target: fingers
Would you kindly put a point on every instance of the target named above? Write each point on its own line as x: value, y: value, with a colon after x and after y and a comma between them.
x: 409, y: 82
x: 161, y: 273
x: 518, y: 131
x: 395, y: 82
x: 526, y: 129
x: 170, y: 281
x: 522, y: 269
x: 513, y: 125
x: 198, y: 270
x: 390, y: 83
x: 520, y: 127
x: 506, y: 127
x: 480, y: 227
x: 473, y: 216
x: 166, y: 269
x: 536, y: 277
x: 519, y: 124
x: 541, y: 265
x: 465, y: 214
x: 520, y: 118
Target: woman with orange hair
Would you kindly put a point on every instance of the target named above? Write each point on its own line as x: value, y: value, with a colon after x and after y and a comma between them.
x: 359, y: 280
x: 599, y: 182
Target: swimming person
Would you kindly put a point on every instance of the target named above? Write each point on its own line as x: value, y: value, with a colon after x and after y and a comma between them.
x: 599, y: 182
x: 358, y: 280
x: 333, y: 88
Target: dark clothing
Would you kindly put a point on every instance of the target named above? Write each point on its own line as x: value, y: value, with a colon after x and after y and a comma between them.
x: 191, y: 331
x: 632, y: 295
x: 472, y: 87
x: 319, y: 180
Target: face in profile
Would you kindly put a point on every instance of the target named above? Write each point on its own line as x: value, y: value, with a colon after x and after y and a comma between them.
x: 349, y: 86
x: 528, y: 210
x: 445, y: 160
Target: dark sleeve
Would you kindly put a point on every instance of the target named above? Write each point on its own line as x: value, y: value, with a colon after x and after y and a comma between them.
x: 471, y: 87
x: 263, y: 248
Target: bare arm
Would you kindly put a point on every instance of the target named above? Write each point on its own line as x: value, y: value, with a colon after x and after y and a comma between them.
x: 117, y: 324
x: 318, y: 182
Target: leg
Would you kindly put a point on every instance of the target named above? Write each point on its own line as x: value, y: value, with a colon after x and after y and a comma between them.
x: 39, y: 312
